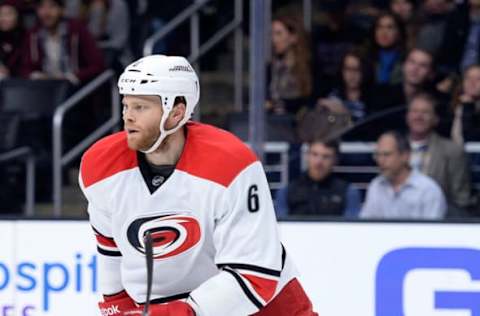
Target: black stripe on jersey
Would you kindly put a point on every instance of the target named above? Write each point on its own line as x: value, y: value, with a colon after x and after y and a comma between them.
x: 284, y: 256
x: 250, y: 267
x: 245, y: 289
x: 168, y: 298
x: 99, y: 233
x: 109, y: 252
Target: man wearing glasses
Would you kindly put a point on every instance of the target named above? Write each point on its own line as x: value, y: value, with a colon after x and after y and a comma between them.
x: 400, y: 192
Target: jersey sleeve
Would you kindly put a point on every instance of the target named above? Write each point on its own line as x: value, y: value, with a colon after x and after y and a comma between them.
x: 249, y: 253
x: 109, y: 256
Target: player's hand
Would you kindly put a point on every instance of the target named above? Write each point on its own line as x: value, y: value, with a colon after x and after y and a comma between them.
x: 120, y: 304
x: 175, y: 308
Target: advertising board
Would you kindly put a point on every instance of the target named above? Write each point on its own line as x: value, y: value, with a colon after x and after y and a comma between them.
x: 365, y: 269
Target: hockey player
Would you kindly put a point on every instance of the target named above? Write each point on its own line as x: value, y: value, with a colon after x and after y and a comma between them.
x: 202, y: 195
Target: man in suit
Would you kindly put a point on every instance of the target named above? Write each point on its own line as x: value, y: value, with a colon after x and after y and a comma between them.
x: 436, y: 156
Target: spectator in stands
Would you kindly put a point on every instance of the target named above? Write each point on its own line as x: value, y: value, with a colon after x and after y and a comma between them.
x: 12, y: 36
x: 405, y: 10
x: 461, y: 42
x: 466, y: 107
x: 430, y: 34
x: 400, y: 192
x: 290, y: 83
x: 103, y: 17
x: 335, y: 32
x: 417, y: 72
x: 318, y: 191
x: 352, y: 95
x: 387, y: 102
x: 387, y: 48
x: 60, y: 48
x: 438, y: 157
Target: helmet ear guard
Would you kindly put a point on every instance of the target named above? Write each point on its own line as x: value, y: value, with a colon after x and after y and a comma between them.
x: 168, y: 77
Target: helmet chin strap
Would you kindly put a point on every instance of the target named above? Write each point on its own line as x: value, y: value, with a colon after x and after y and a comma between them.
x: 164, y: 133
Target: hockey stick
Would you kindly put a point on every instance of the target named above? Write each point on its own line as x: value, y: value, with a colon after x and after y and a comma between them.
x: 147, y: 239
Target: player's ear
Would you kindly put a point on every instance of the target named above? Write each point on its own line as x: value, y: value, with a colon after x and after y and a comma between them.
x: 178, y: 111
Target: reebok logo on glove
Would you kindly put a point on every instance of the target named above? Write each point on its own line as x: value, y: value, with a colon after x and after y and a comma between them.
x: 113, y: 310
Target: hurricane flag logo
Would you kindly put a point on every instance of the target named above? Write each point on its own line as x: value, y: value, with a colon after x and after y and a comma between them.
x: 172, y: 234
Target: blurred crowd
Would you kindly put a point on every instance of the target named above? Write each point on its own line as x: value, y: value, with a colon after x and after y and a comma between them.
x: 402, y: 73
x: 50, y: 49
x: 76, y: 39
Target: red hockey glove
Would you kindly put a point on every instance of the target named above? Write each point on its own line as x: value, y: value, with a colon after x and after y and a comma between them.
x: 116, y: 305
x: 175, y: 308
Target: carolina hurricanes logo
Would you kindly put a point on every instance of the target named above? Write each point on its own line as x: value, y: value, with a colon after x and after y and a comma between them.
x: 171, y: 234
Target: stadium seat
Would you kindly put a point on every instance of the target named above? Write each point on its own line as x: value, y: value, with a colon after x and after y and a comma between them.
x: 278, y: 128
x: 9, y: 124
x: 12, y: 195
x: 32, y: 99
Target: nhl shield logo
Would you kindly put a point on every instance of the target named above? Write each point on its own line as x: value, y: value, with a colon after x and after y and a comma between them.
x: 171, y: 234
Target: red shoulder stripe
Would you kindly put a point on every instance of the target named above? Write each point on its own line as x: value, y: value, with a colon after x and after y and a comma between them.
x: 214, y: 154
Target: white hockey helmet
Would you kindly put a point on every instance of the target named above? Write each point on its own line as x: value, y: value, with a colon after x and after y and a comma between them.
x: 168, y: 77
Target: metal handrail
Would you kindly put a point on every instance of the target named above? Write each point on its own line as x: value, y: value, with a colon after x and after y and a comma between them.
x: 60, y: 161
x: 307, y: 15
x: 172, y: 25
x: 356, y: 147
x: 214, y: 40
x: 27, y: 154
x: 197, y: 51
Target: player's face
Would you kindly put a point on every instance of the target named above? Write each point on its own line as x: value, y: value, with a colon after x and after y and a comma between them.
x: 390, y: 161
x: 471, y: 82
x: 417, y: 67
x: 49, y: 13
x: 141, y: 118
x: 421, y: 117
x: 321, y: 160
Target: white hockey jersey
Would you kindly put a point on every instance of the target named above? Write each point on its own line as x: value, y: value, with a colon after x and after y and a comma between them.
x: 212, y: 221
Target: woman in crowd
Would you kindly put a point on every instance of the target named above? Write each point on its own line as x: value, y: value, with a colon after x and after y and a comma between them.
x: 466, y: 107
x: 290, y: 82
x: 353, y: 90
x: 387, y: 48
x: 12, y: 36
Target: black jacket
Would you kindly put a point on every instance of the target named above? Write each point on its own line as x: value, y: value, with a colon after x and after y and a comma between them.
x: 309, y: 197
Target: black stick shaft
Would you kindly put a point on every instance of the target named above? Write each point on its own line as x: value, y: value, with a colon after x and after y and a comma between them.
x: 149, y: 258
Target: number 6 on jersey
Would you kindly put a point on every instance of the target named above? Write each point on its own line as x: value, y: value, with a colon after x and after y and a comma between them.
x: 253, y: 202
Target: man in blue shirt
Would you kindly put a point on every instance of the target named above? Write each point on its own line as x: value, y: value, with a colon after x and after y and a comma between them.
x: 318, y: 192
x: 400, y: 192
